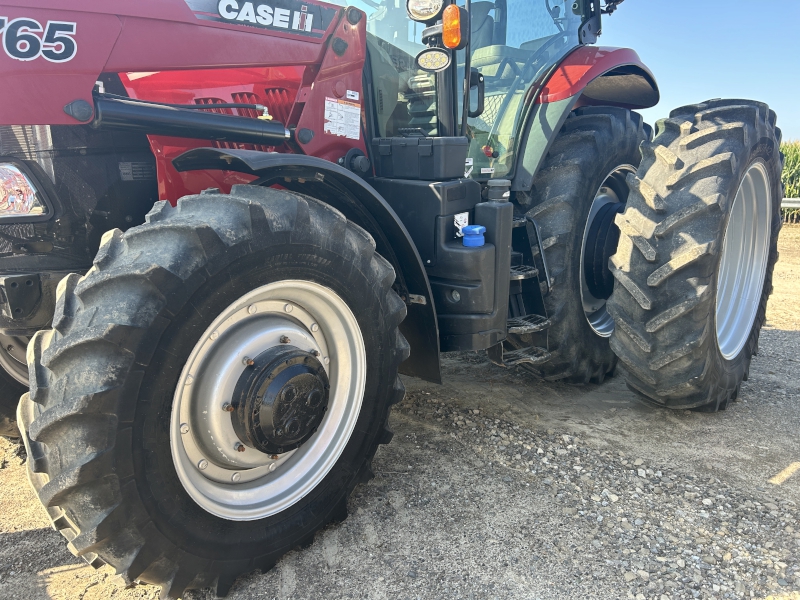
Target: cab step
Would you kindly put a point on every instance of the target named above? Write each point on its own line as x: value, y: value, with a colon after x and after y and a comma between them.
x: 521, y: 272
x: 533, y: 355
x: 527, y: 324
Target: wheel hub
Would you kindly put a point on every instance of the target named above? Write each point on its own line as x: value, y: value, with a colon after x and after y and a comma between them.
x: 601, y: 242
x: 280, y: 400
x: 600, y: 239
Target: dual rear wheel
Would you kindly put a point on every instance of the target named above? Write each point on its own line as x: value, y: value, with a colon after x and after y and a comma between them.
x: 660, y: 252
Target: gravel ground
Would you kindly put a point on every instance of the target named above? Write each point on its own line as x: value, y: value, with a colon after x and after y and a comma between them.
x: 499, y: 486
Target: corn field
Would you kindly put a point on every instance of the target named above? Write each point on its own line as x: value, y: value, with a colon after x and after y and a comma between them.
x: 791, y: 179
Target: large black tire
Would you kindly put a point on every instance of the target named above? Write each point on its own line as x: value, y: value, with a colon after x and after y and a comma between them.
x: 10, y: 392
x: 593, y: 143
x: 668, y: 258
x: 96, y: 423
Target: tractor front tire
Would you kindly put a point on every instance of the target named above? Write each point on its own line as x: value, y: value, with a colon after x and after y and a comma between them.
x: 580, y: 184
x: 695, y: 258
x: 262, y: 309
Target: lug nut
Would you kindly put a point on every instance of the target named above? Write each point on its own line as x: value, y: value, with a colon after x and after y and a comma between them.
x: 285, y: 339
x: 236, y: 477
x: 247, y: 361
x: 272, y: 467
x: 252, y: 309
x: 227, y: 407
x: 202, y: 465
x: 316, y: 353
x: 184, y: 428
x: 314, y: 327
x: 239, y: 447
x: 274, y: 457
x: 288, y: 308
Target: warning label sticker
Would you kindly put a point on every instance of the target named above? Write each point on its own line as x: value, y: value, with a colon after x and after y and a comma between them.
x: 343, y: 118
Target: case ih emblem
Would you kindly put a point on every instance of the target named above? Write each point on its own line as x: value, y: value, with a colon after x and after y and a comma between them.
x: 306, y: 19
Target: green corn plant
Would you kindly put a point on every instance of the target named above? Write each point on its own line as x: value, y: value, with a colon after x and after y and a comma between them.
x: 791, y: 169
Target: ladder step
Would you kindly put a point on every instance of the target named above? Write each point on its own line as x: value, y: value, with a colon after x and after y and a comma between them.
x: 527, y: 324
x: 523, y: 272
x: 533, y: 356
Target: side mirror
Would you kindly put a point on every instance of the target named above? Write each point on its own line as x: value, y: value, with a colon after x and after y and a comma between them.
x: 476, y: 81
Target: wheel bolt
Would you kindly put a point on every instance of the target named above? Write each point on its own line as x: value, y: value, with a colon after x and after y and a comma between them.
x: 214, y: 335
x: 239, y: 447
x: 288, y: 308
x: 285, y: 339
x: 202, y: 465
x: 274, y: 457
x: 247, y: 361
x: 184, y: 428
x: 316, y: 353
x: 314, y: 327
x: 327, y: 360
x: 236, y: 477
x: 272, y: 467
x: 252, y: 309
x: 227, y: 407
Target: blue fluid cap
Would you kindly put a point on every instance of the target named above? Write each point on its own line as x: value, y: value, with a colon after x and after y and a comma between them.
x: 473, y: 235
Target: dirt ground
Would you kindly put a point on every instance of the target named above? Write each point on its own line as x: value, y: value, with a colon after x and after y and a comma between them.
x: 499, y: 486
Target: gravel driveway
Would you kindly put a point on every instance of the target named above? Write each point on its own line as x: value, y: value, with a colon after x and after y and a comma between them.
x: 499, y: 486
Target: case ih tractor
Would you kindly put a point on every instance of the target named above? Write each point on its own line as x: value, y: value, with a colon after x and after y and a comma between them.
x: 227, y: 225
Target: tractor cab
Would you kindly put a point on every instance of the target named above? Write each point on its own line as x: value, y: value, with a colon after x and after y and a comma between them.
x: 513, y: 45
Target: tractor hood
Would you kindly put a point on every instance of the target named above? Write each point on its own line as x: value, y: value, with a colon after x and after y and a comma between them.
x: 53, y: 56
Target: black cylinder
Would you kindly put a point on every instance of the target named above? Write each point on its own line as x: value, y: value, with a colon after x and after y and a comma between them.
x: 117, y: 113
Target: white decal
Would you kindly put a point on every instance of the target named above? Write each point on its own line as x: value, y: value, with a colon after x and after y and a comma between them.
x: 25, y: 39
x: 248, y: 13
x: 468, y: 167
x: 342, y: 118
x: 263, y: 14
x: 226, y: 8
x: 461, y: 220
x: 281, y: 18
x: 487, y: 170
x: 353, y: 95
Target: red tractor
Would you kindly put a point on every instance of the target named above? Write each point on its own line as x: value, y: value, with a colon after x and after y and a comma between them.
x: 226, y: 226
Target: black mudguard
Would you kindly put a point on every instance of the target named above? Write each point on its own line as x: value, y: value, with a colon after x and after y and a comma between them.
x: 361, y: 204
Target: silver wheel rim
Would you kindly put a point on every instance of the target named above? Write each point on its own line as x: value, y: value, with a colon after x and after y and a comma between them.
x: 743, y: 264
x: 250, y: 485
x: 12, y: 357
x: 594, y: 309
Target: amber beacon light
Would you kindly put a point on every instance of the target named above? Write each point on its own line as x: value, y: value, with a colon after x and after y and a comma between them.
x: 453, y: 23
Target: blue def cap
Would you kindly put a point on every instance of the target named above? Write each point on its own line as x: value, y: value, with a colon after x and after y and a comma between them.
x: 473, y: 235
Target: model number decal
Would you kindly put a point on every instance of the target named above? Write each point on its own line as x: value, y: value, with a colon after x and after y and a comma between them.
x: 25, y: 39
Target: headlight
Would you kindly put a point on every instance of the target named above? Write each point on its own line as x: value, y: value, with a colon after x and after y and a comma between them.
x: 18, y: 195
x: 424, y: 10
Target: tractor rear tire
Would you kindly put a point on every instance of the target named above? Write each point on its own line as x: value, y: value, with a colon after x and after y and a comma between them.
x: 695, y: 259
x: 596, y: 147
x: 10, y: 392
x: 13, y: 382
x: 129, y: 387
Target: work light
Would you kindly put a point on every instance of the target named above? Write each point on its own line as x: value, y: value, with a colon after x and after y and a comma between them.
x: 18, y: 195
x: 424, y: 10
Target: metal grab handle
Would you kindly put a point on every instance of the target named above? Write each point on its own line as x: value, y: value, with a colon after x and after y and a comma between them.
x: 476, y: 80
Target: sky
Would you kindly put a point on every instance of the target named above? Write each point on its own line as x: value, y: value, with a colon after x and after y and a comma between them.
x: 702, y: 49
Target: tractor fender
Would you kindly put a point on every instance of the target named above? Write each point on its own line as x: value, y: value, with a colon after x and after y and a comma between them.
x: 589, y: 75
x: 362, y: 205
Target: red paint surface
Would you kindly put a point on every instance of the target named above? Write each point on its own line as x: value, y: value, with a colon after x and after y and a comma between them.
x: 164, y: 53
x: 583, y: 65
